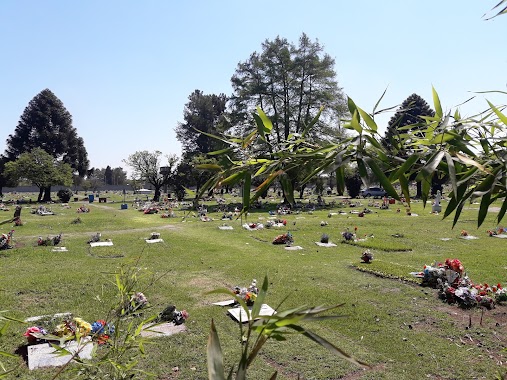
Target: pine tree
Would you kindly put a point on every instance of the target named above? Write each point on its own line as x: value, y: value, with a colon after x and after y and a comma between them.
x: 46, y: 124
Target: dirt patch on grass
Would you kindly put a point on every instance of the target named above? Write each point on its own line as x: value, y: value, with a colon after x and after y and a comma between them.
x: 203, y: 283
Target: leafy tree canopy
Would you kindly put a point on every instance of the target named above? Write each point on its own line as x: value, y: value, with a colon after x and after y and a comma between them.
x: 146, y: 166
x: 40, y: 168
x: 202, y: 113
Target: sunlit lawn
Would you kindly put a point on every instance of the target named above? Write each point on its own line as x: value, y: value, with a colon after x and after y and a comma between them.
x: 401, y: 329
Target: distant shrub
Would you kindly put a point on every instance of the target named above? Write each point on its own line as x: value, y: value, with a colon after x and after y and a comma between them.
x: 64, y: 195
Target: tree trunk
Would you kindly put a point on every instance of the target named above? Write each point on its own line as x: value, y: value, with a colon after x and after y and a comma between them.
x: 418, y: 194
x: 47, y: 194
x: 302, y: 191
x: 41, y: 191
x: 156, y: 196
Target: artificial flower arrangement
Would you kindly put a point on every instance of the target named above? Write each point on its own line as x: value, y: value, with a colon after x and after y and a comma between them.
x: 286, y: 238
x: 496, y: 231
x: 49, y: 241
x: 464, y: 233
x: 150, y: 210
x: 170, y: 314
x: 83, y: 209
x: 137, y: 301
x: 248, y: 295
x: 350, y: 236
x: 75, y: 328
x: 456, y: 288
x: 367, y: 256
x: 5, y: 240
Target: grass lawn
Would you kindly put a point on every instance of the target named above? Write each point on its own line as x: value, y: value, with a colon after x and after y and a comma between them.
x: 400, y: 328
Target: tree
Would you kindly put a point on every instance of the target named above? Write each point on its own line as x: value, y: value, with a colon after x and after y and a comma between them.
x: 108, y: 175
x: 204, y: 113
x: 4, y: 179
x: 406, y: 126
x: 146, y: 167
x: 46, y: 124
x: 41, y: 169
x: 290, y: 84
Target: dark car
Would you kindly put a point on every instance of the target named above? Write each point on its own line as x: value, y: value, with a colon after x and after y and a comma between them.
x: 374, y: 192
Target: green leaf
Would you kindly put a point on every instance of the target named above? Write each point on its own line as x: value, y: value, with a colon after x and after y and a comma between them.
x: 502, y: 211
x: 368, y: 120
x: 260, y: 298
x: 428, y: 169
x: 436, y: 102
x: 213, y: 167
x: 384, y: 181
x: 483, y: 208
x: 404, y: 187
x: 355, y: 123
x: 404, y: 168
x: 351, y: 105
x: 328, y: 345
x: 312, y: 123
x: 287, y: 188
x: 222, y: 151
x: 378, y: 101
x: 246, y: 191
x: 215, y: 357
x: 233, y: 178
x: 452, y: 173
x: 340, y: 179
x: 500, y: 115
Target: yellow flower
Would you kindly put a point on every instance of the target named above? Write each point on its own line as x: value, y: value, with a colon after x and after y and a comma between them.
x: 82, y: 326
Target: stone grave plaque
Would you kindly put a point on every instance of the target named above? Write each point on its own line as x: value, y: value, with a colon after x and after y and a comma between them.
x: 320, y: 244
x: 294, y: 248
x: 60, y: 249
x: 101, y: 244
x: 155, y: 330
x: 44, y: 355
x: 151, y: 241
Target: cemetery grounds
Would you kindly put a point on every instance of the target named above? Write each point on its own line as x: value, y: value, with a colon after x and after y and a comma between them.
x: 402, y: 330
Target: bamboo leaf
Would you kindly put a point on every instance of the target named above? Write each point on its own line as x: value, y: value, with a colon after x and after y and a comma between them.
x: 404, y: 187
x: 469, y: 161
x: 404, y: 168
x: 355, y: 122
x: 384, y: 181
x: 378, y: 101
x: 500, y: 115
x: 246, y: 191
x: 215, y: 357
x: 483, y: 208
x: 452, y: 173
x: 368, y: 120
x: 233, y: 178
x: 436, y: 102
x: 260, y: 298
x: 213, y: 167
x: 351, y: 105
x: 287, y: 189
x: 429, y: 168
x: 312, y: 122
x: 502, y: 211
x: 340, y: 179
x: 222, y: 151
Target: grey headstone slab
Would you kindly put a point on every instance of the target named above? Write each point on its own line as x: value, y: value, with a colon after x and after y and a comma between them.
x: 44, y: 355
x: 47, y: 316
x: 320, y: 244
x: 162, y: 329
x: 151, y: 241
x: 102, y: 244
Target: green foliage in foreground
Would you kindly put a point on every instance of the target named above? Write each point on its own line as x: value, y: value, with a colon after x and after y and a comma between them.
x: 400, y: 329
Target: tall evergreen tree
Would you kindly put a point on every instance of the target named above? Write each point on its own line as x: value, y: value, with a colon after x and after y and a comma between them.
x: 202, y: 113
x: 46, y: 124
x: 408, y: 114
x: 406, y: 125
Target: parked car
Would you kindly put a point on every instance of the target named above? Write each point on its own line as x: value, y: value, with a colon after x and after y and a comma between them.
x: 373, y: 192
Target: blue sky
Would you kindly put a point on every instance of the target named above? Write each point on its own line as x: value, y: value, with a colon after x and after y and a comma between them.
x: 124, y: 69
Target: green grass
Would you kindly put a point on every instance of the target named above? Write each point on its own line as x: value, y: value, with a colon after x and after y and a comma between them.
x: 197, y: 257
